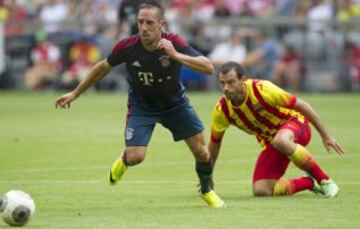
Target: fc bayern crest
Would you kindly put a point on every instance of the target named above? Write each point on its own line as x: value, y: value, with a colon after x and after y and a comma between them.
x: 164, y: 60
x: 129, y: 133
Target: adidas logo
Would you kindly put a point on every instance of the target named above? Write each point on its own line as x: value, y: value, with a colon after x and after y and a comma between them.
x: 136, y: 64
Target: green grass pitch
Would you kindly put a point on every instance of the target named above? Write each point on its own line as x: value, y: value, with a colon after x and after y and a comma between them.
x: 62, y: 158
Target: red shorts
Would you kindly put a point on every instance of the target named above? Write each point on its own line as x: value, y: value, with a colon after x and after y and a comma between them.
x: 271, y: 164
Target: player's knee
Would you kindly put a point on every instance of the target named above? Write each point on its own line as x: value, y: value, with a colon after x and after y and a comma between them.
x: 279, y: 142
x: 261, y: 191
x: 135, y: 160
x: 134, y: 157
x: 202, y: 155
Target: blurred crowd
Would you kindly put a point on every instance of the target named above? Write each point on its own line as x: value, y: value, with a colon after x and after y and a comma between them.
x: 50, y: 44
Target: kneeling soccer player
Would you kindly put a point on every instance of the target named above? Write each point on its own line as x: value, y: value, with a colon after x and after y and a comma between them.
x: 280, y: 122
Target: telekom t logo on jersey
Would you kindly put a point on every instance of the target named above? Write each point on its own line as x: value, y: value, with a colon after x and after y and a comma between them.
x: 148, y: 79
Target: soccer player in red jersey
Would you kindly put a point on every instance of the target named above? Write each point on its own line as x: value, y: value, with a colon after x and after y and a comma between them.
x: 281, y: 123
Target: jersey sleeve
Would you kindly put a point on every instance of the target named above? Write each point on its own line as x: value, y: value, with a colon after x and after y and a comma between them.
x: 188, y: 50
x: 120, y: 51
x: 276, y: 96
x: 219, y: 124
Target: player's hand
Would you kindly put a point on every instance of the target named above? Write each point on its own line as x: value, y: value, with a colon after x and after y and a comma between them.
x: 167, y: 46
x: 65, y: 100
x: 331, y: 142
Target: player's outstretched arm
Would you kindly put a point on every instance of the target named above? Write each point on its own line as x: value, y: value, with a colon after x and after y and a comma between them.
x: 328, y: 140
x: 214, y: 149
x: 96, y: 73
x: 199, y: 63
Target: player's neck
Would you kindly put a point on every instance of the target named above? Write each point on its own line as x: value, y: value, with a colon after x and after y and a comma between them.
x: 151, y: 46
x: 237, y: 101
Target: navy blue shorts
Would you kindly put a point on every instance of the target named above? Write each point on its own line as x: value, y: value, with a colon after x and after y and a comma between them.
x: 182, y: 121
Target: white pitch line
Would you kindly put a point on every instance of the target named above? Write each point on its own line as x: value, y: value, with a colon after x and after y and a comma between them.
x: 34, y: 170
x: 145, y: 164
x: 140, y: 182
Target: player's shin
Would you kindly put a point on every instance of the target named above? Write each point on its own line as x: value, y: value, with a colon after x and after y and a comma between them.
x: 204, y: 171
x: 305, y: 161
x: 285, y: 187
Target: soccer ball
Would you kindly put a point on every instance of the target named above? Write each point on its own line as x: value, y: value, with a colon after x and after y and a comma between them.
x: 16, y: 208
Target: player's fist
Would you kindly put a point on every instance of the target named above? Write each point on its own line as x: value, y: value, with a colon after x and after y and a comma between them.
x: 167, y: 46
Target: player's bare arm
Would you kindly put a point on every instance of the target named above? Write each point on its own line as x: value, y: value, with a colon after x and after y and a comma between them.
x: 96, y: 73
x: 328, y: 140
x: 199, y: 63
x: 214, y: 149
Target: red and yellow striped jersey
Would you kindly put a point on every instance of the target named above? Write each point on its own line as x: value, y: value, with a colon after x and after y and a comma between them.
x: 265, y: 108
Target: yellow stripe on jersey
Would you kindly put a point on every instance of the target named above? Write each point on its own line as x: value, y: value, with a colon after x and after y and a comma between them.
x: 265, y: 108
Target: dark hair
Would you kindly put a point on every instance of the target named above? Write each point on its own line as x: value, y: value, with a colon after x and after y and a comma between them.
x: 230, y: 65
x: 153, y: 5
